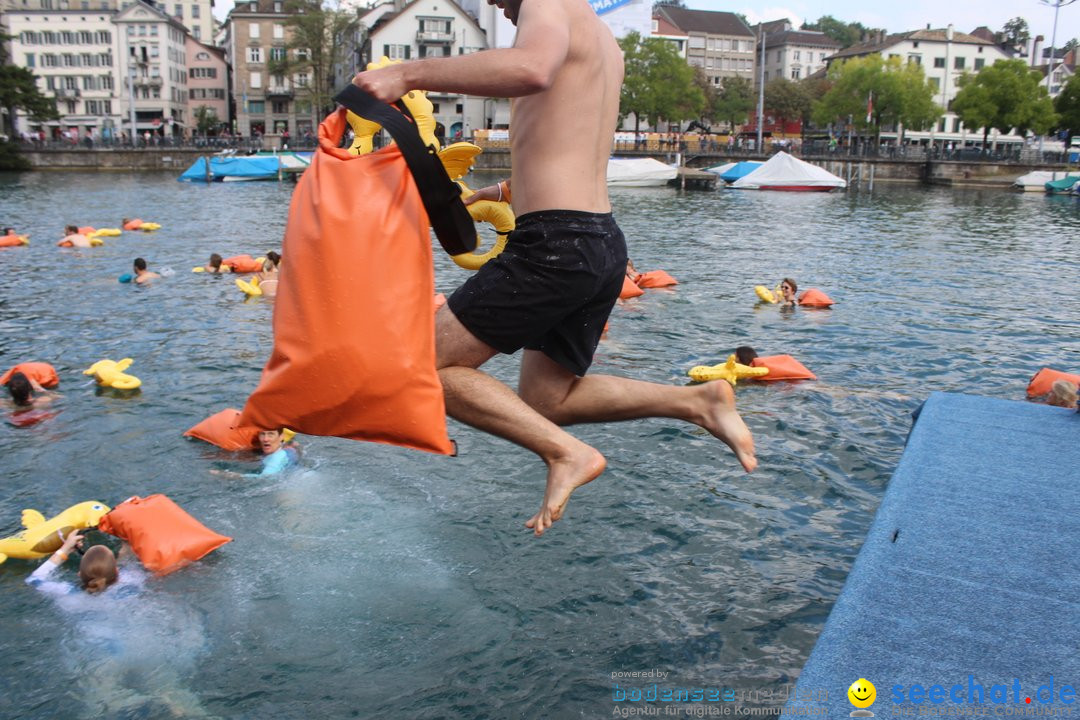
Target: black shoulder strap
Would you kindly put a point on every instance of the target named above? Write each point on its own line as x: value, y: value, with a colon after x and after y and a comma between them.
x: 441, y: 196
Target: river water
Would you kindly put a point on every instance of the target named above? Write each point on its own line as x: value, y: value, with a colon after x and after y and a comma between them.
x: 380, y: 582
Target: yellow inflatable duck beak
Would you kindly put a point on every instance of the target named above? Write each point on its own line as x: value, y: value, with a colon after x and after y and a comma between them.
x: 420, y: 107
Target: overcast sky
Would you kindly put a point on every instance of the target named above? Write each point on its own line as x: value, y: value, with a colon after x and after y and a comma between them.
x: 965, y: 15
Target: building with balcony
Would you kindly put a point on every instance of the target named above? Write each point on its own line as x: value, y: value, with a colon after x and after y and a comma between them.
x: 74, y: 58
x: 196, y: 15
x: 664, y: 30
x: 945, y: 55
x: 432, y: 28
x: 793, y: 54
x: 152, y: 70
x: 719, y: 43
x: 208, y: 83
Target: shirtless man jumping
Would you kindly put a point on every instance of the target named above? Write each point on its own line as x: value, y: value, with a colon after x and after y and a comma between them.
x: 551, y: 290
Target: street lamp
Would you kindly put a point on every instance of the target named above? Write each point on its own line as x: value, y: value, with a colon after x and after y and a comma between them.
x: 1056, y: 4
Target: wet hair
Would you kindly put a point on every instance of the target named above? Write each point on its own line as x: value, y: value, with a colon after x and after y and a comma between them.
x: 9, y: 231
x: 215, y: 261
x: 125, y: 221
x: 744, y: 355
x: 1062, y: 394
x: 272, y: 257
x: 140, y: 264
x: 20, y: 388
x: 789, y: 281
x: 97, y: 570
x: 72, y: 229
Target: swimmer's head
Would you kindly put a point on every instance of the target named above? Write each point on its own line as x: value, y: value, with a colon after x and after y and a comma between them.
x: 270, y: 441
x: 139, y: 264
x: 9, y: 231
x: 97, y: 570
x: 1062, y: 394
x: 273, y: 259
x: 215, y: 262
x: 510, y: 8
x: 71, y: 229
x: 125, y: 221
x: 790, y: 283
x: 744, y: 355
x: 21, y: 390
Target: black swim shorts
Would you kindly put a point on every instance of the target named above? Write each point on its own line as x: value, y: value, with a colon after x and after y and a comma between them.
x: 551, y: 289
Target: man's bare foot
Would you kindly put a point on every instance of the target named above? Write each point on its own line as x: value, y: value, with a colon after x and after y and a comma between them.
x: 565, y: 476
x: 722, y: 420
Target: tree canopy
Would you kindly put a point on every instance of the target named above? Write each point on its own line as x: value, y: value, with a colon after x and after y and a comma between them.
x: 19, y: 91
x: 786, y: 100
x: 1067, y: 105
x: 734, y: 102
x: 899, y: 91
x: 1015, y: 32
x: 1005, y: 96
x: 847, y: 34
x: 658, y: 83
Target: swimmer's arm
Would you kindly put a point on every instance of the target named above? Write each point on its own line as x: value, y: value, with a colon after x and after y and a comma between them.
x: 495, y: 193
x: 529, y: 67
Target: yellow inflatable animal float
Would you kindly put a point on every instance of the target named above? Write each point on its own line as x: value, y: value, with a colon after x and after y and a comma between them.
x: 42, y: 537
x: 106, y: 232
x: 458, y: 159
x: 731, y: 371
x: 110, y: 373
x: 416, y: 101
x: 766, y: 295
x: 250, y: 288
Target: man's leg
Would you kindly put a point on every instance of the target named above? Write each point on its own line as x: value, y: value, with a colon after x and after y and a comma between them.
x: 477, y: 399
x: 565, y: 399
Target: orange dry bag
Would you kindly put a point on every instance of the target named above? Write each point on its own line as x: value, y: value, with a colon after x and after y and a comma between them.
x: 242, y: 264
x: 815, y: 298
x: 629, y: 289
x: 42, y: 373
x: 1043, y: 380
x: 656, y: 279
x: 782, y: 367
x: 163, y: 536
x: 133, y: 224
x: 354, y: 326
x: 224, y: 430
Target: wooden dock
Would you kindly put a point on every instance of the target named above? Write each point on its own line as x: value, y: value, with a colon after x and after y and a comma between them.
x: 694, y: 179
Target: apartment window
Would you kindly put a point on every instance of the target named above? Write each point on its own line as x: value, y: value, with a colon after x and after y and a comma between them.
x: 712, y: 43
x: 941, y: 125
x: 155, y: 51
x: 254, y: 55
x: 86, y: 38
x: 104, y: 37
x: 279, y: 32
x: 153, y: 31
x: 279, y: 6
x: 280, y: 107
x: 277, y: 81
x: 70, y: 82
x: 253, y: 30
x: 71, y: 107
x: 795, y: 54
x: 194, y: 11
x: 256, y: 107
x: 67, y: 38
x: 67, y: 60
x: 91, y: 107
x: 256, y: 80
x: 979, y: 63
x: 917, y: 59
x: 278, y: 53
x: 196, y: 33
x: 106, y: 82
x: 957, y: 125
x: 435, y: 107
x: 142, y: 30
x: 958, y: 63
x: 397, y: 52
x: 301, y: 79
x: 697, y: 42
x: 779, y: 56
x: 29, y: 60
x: 795, y: 73
x: 709, y: 63
x: 939, y: 62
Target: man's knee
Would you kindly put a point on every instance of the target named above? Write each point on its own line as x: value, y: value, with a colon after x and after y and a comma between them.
x: 455, y: 346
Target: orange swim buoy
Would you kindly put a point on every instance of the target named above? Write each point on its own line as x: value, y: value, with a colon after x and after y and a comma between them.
x: 629, y: 289
x: 86, y: 230
x: 133, y: 224
x: 1042, y: 381
x: 162, y: 535
x: 42, y: 373
x: 815, y: 298
x: 782, y: 367
x: 655, y: 279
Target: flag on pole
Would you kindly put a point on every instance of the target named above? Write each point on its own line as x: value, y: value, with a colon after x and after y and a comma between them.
x: 870, y: 107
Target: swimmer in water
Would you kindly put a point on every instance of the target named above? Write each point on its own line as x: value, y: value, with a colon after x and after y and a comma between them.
x: 97, y: 568
x: 142, y: 275
x: 76, y: 238
x: 23, y: 392
x: 268, y: 277
x: 788, y: 288
x: 214, y: 265
x: 278, y: 455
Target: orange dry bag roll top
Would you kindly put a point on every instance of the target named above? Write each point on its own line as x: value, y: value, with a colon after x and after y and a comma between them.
x: 133, y: 224
x: 782, y: 367
x: 42, y: 373
x: 815, y: 298
x: 224, y: 430
x: 242, y: 264
x: 354, y: 326
x: 656, y: 279
x: 629, y: 289
x: 1043, y: 380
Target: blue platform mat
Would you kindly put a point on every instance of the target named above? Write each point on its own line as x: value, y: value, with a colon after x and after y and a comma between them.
x: 968, y: 585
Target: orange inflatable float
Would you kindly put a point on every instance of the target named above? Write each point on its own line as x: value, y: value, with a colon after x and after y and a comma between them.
x: 782, y: 367
x: 815, y: 298
x: 1043, y: 380
x: 242, y: 264
x: 133, y: 224
x: 12, y: 240
x: 655, y: 279
x: 42, y: 373
x: 630, y: 289
x: 162, y: 535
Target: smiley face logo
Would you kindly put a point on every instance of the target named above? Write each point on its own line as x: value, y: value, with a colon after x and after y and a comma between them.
x: 862, y: 693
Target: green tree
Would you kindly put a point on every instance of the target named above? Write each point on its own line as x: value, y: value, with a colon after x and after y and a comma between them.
x: 1071, y: 45
x: 847, y: 34
x: 898, y: 92
x: 657, y: 84
x: 1067, y: 105
x: 734, y: 102
x: 786, y: 100
x: 206, y: 120
x: 1005, y: 96
x: 318, y: 39
x: 1015, y: 32
x: 19, y: 91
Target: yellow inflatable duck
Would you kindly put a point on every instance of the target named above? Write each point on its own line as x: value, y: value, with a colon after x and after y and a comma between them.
x: 111, y: 374
x: 422, y: 110
x: 106, y: 232
x: 730, y: 371
x: 250, y: 288
x: 42, y: 537
x: 150, y: 226
x: 458, y: 159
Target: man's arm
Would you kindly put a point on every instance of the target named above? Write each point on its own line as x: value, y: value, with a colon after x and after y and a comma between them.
x: 543, y: 40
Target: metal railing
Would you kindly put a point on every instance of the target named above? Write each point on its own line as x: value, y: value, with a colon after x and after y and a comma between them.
x: 238, y: 144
